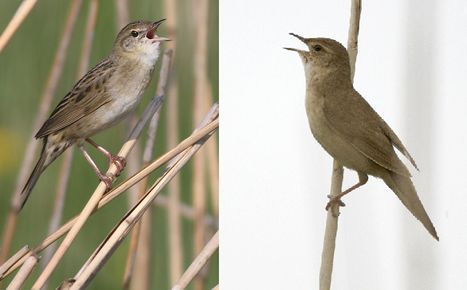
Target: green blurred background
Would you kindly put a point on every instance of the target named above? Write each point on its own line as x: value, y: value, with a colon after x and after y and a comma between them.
x: 24, y: 67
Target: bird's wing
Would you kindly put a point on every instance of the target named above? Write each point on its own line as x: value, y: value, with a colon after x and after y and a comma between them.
x: 87, y: 95
x: 397, y: 142
x: 355, y: 120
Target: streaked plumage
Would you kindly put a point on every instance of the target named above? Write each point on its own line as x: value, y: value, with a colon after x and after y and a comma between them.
x: 101, y: 98
x: 349, y: 129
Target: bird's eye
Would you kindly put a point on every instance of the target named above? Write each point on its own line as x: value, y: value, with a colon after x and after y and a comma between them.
x: 317, y: 47
x: 134, y: 33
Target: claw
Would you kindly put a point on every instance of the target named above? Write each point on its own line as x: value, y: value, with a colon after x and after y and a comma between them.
x: 107, y: 179
x: 334, y: 200
x: 120, y: 163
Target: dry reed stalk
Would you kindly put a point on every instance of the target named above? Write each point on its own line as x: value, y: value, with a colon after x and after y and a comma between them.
x: 101, y: 188
x: 59, y: 203
x: 23, y: 273
x: 21, y: 13
x: 138, y: 258
x: 88, y: 38
x: 139, y: 250
x: 329, y: 244
x: 45, y: 102
x: 352, y: 41
x: 117, y: 235
x: 68, y: 156
x: 133, y: 159
x: 213, y: 164
x: 200, y: 11
x: 122, y: 13
x: 174, y: 222
x: 216, y: 287
x: 13, y: 260
x: 136, y: 251
x: 198, y: 263
x: 132, y: 252
x: 143, y: 234
x: 168, y: 156
x: 187, y: 211
x: 173, y: 202
x: 133, y: 163
x: 141, y: 274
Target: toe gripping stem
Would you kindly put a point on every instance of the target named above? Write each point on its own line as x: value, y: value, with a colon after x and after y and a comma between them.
x: 336, y: 199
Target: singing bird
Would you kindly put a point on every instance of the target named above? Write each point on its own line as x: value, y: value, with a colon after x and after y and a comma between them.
x: 101, y: 98
x: 349, y: 129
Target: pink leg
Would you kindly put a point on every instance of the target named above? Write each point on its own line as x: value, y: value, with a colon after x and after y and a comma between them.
x: 362, y: 179
x: 104, y: 178
x: 119, y: 161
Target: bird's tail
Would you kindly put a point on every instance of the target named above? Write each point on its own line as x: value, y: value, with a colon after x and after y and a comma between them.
x: 50, y: 151
x: 405, y: 191
x: 36, y: 172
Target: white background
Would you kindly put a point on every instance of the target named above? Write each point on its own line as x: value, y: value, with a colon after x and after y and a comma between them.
x: 412, y: 68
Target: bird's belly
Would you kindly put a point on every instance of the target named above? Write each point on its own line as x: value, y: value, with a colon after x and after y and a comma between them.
x: 339, y: 148
x: 117, y: 110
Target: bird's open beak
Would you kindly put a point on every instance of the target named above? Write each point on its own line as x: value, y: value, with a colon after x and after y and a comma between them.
x: 151, y: 32
x: 302, y: 39
x: 161, y: 39
x: 295, y: 49
x: 157, y: 23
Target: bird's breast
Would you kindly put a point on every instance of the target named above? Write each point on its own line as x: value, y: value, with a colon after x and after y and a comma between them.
x: 314, y: 105
x: 119, y: 107
x: 125, y: 92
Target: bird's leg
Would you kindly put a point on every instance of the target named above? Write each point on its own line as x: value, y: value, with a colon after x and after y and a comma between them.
x: 119, y: 161
x: 103, y: 177
x: 362, y: 179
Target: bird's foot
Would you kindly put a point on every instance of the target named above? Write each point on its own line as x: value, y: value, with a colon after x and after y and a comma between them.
x: 119, y: 162
x: 107, y: 179
x: 334, y: 200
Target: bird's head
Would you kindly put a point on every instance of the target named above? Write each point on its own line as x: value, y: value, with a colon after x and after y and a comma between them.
x: 139, y: 39
x: 323, y: 54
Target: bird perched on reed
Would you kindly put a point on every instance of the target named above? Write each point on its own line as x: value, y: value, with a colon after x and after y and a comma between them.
x: 100, y: 99
x: 349, y: 129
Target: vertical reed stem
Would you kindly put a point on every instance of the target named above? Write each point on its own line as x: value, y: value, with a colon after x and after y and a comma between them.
x: 44, y: 106
x: 172, y: 129
x: 200, y: 11
x: 329, y: 244
x: 68, y: 155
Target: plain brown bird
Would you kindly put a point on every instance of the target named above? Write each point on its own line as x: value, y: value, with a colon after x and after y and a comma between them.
x: 349, y: 129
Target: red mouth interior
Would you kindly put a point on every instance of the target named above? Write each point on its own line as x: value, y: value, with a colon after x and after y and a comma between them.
x: 150, y: 34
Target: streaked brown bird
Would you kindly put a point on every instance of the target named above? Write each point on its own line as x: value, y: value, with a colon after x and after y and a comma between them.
x: 100, y: 99
x: 349, y: 129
